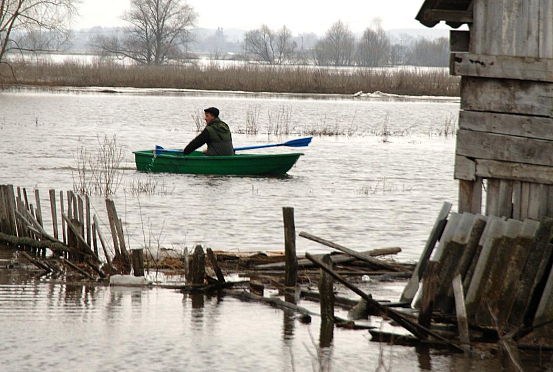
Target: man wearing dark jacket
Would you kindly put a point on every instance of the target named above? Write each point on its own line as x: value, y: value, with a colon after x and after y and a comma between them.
x: 216, y: 134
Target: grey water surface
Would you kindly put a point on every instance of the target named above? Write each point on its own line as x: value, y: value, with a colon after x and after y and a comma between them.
x: 379, y: 184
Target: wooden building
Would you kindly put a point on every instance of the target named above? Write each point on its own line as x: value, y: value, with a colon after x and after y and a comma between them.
x: 504, y: 150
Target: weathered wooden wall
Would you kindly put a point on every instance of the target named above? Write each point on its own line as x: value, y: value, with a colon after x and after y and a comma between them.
x: 505, y: 137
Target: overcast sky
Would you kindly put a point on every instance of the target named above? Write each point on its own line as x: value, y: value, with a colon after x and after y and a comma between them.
x: 298, y: 15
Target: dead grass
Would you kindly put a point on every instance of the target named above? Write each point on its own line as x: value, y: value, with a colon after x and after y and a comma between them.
x: 253, y: 78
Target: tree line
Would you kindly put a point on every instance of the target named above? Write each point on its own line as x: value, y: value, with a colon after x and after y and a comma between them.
x: 340, y: 47
x: 160, y: 32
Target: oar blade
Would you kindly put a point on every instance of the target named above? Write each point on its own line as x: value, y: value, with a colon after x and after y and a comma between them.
x: 300, y: 142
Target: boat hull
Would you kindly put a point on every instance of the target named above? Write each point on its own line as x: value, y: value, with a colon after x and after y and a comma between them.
x: 198, y: 163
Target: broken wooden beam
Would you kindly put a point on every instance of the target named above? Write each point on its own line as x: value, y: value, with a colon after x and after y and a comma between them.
x: 416, y: 329
x: 373, y: 261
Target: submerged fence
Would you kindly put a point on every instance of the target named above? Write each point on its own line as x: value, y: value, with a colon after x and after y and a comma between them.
x: 76, y: 236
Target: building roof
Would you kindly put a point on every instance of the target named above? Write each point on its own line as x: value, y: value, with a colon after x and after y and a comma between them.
x: 453, y: 12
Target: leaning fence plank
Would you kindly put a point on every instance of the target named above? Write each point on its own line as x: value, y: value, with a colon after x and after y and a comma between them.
x: 411, y: 288
x: 38, y: 208
x: 62, y: 210
x: 88, y: 222
x: 54, y: 212
x: 102, y: 241
x: 461, y: 311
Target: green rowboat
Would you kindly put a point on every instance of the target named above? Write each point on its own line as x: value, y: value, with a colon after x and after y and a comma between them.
x: 198, y: 163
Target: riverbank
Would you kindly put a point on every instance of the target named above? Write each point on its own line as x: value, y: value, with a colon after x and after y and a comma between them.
x: 239, y: 77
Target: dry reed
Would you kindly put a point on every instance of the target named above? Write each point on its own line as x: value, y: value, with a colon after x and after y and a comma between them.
x: 249, y: 77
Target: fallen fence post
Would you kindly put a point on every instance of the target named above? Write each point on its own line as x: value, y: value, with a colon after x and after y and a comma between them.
x: 373, y: 261
x: 291, y: 268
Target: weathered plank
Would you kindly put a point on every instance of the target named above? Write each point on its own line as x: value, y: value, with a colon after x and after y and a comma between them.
x: 326, y: 290
x: 518, y: 253
x: 479, y: 145
x: 493, y: 278
x: 539, y: 254
x: 515, y: 125
x: 453, y: 250
x: 465, y: 168
x: 503, y: 66
x: 489, y: 243
x: 460, y: 310
x: 430, y: 285
x: 470, y: 196
x: 478, y: 29
x: 470, y: 254
x: 505, y: 199
x: 492, y: 197
x: 545, y: 31
x: 514, y: 171
x: 411, y: 288
x: 291, y: 269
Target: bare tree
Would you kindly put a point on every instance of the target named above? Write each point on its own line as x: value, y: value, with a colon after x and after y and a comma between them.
x: 269, y: 46
x: 158, y: 32
x: 337, y: 47
x: 34, y: 25
x: 374, y: 48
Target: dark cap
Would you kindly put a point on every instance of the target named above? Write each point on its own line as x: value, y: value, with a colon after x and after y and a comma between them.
x: 213, y: 111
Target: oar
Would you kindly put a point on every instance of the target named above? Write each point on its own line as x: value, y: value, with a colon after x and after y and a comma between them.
x: 300, y: 142
x: 160, y: 149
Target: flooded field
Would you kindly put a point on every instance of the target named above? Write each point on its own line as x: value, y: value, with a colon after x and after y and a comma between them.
x: 379, y: 183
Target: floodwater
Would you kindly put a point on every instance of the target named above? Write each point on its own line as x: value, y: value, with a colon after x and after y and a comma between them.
x: 362, y: 190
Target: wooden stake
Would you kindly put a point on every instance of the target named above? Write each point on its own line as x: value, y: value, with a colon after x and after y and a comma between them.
x: 102, y: 241
x: 138, y: 261
x: 213, y: 259
x: 326, y: 290
x: 196, y: 274
x: 291, y: 268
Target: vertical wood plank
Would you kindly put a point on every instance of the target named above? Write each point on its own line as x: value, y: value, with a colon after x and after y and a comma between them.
x: 505, y: 199
x: 38, y: 208
x: 88, y: 222
x: 537, y: 201
x: 80, y: 217
x: 291, y: 268
x: 326, y: 291
x: 492, y: 197
x: 62, y: 211
x: 470, y: 196
x: 53, y: 208
x: 517, y: 194
x: 138, y: 262
x: 545, y: 32
x: 494, y: 28
x: 478, y: 30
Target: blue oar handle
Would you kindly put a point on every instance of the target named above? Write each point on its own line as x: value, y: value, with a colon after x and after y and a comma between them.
x: 256, y: 147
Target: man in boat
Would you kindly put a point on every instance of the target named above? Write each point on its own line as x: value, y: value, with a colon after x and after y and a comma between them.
x: 216, y: 135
